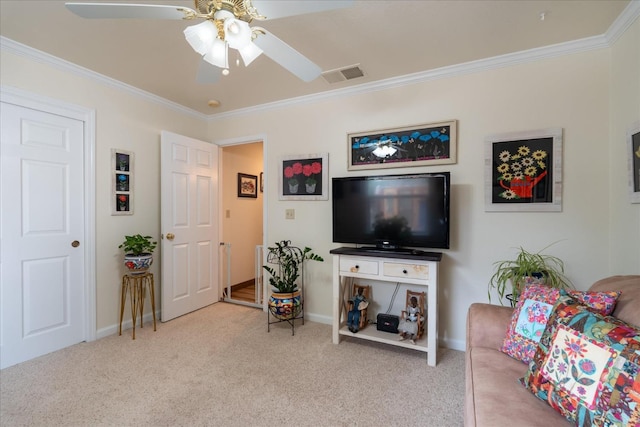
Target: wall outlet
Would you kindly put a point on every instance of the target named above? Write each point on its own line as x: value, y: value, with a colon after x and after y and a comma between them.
x: 290, y: 214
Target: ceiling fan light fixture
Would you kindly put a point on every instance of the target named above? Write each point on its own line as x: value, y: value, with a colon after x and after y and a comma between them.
x: 249, y: 53
x: 237, y: 33
x: 218, y: 54
x: 201, y: 36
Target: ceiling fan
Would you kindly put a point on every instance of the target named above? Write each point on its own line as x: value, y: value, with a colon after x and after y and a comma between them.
x: 225, y: 24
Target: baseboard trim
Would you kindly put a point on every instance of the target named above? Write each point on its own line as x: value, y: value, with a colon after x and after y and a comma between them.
x: 318, y: 318
x: 126, y: 325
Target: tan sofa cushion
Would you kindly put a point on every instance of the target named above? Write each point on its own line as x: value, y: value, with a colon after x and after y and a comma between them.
x: 498, y: 397
x: 628, y: 306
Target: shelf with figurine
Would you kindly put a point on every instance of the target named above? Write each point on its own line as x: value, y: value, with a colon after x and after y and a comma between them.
x: 416, y: 322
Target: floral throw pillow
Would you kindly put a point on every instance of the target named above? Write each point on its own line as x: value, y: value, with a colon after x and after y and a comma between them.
x: 587, y: 367
x: 532, y: 311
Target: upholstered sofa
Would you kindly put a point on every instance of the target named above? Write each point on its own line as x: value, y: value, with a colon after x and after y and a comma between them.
x: 494, y: 396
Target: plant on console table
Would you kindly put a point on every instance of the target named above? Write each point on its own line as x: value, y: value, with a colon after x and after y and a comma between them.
x: 285, y: 301
x: 528, y: 267
x: 138, y: 251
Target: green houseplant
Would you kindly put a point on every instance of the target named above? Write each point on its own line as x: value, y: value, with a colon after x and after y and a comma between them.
x: 138, y: 250
x: 138, y: 245
x: 289, y: 259
x: 285, y: 301
x: 510, y: 276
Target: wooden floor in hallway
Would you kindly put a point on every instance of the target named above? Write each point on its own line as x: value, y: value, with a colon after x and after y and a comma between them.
x: 245, y: 291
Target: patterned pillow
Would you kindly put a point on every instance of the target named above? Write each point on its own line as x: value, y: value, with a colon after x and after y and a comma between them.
x: 532, y: 311
x: 587, y: 367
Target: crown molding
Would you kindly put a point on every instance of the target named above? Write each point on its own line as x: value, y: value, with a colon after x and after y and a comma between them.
x: 619, y: 26
x: 623, y: 22
x: 511, y: 59
x: 20, y: 49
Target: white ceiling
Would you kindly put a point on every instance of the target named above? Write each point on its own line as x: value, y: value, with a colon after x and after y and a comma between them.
x: 387, y: 38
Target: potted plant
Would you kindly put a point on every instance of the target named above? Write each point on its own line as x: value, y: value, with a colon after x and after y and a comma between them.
x: 138, y: 251
x: 285, y: 300
x: 528, y: 267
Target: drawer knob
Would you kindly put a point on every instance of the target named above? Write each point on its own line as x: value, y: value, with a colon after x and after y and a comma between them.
x: 354, y: 269
x: 404, y: 271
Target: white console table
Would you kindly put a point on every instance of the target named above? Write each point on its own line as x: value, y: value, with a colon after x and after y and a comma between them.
x: 415, y: 269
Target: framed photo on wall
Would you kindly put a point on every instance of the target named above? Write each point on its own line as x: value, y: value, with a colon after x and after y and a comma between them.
x: 304, y: 177
x: 247, y: 185
x: 523, y: 171
x: 421, y: 145
x: 122, y: 163
x: 633, y: 142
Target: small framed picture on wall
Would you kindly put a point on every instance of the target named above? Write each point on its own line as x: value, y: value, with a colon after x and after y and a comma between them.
x: 247, y: 185
x: 121, y: 182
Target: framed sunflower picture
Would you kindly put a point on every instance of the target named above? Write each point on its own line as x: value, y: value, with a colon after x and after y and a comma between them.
x: 523, y: 171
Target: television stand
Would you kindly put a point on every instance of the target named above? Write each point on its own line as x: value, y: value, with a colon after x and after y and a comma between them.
x: 386, y: 268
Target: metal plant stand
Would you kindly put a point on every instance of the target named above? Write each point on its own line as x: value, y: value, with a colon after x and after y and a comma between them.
x: 286, y: 310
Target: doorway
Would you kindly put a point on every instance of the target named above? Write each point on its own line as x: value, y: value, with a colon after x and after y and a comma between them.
x: 242, y: 223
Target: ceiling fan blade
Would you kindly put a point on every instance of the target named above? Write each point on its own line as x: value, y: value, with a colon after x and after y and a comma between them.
x: 131, y: 11
x: 287, y: 56
x: 273, y: 9
x: 207, y: 73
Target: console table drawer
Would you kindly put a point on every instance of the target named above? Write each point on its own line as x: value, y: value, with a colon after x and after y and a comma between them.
x: 412, y: 271
x: 358, y: 266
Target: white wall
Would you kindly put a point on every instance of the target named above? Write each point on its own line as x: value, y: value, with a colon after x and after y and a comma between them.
x: 571, y: 92
x: 625, y: 109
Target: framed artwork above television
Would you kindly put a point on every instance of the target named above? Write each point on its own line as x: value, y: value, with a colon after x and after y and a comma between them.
x: 420, y: 145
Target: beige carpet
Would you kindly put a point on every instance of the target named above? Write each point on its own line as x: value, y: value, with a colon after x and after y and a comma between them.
x: 220, y: 367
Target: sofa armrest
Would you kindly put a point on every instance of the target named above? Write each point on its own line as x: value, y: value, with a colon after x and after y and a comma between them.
x: 487, y: 325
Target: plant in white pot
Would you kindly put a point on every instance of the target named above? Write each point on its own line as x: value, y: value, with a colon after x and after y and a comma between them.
x: 285, y: 301
x: 138, y: 253
x: 511, y: 276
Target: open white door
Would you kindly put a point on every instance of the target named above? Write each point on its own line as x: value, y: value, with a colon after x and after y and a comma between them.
x: 189, y: 224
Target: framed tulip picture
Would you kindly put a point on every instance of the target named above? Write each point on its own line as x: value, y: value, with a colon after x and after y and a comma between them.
x: 523, y: 171
x: 304, y: 177
x: 121, y: 182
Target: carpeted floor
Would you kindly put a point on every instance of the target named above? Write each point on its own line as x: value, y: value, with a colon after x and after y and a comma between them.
x: 220, y: 367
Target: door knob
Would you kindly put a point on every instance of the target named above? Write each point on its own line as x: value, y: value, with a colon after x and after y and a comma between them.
x: 75, y: 243
x: 170, y: 236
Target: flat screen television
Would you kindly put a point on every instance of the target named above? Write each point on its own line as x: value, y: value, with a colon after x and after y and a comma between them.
x: 392, y: 212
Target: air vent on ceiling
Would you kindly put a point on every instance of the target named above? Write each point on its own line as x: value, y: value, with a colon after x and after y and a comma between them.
x: 343, y: 74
